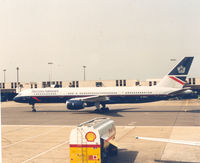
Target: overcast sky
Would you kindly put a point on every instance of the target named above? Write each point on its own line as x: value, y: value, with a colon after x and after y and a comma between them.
x: 115, y: 39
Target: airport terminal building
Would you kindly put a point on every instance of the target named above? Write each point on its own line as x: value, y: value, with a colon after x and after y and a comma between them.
x: 9, y: 90
x: 88, y: 83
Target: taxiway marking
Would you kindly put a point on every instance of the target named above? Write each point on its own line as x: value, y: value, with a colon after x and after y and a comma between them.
x: 6, y: 146
x: 38, y: 155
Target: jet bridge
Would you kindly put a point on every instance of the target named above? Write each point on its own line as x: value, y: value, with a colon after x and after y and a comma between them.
x: 93, y: 141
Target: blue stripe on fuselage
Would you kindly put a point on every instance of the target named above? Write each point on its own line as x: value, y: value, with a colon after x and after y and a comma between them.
x: 114, y: 99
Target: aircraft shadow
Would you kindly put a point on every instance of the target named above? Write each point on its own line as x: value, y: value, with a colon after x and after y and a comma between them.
x: 162, y: 111
x: 169, y: 161
x: 124, y: 155
x: 112, y: 112
x: 116, y: 112
x: 194, y: 111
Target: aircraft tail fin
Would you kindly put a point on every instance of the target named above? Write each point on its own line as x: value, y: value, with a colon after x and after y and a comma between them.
x: 177, y: 77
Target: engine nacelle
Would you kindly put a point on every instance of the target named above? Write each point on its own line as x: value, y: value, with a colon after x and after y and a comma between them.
x: 188, y: 91
x: 75, y: 104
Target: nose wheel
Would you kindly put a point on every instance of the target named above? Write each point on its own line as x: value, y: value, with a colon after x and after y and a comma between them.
x: 33, y: 108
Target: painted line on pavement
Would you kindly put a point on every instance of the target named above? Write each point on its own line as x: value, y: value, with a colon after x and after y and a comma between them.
x: 38, y: 155
x: 6, y: 146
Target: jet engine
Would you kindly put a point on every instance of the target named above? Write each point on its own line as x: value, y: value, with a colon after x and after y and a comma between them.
x: 188, y: 91
x: 75, y: 104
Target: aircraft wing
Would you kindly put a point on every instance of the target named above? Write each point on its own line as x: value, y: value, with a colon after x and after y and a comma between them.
x: 194, y: 143
x: 99, y: 98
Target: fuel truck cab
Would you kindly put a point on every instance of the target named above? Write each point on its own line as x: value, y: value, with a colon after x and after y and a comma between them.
x: 93, y: 141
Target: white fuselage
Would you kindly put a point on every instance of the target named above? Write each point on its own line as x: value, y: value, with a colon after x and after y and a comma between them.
x: 126, y: 94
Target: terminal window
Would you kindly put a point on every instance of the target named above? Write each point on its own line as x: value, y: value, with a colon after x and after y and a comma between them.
x: 48, y: 84
x: 120, y: 82
x: 194, y: 81
x: 98, y: 84
x: 73, y: 84
x: 43, y: 84
x: 190, y: 81
x: 117, y: 83
x: 77, y: 84
x: 124, y: 82
x: 137, y: 83
x: 57, y: 84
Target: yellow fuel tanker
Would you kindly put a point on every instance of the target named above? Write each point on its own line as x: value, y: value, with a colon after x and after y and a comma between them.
x: 93, y: 141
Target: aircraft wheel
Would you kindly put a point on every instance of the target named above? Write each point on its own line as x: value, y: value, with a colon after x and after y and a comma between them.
x: 105, y: 109
x: 33, y: 110
x: 97, y: 110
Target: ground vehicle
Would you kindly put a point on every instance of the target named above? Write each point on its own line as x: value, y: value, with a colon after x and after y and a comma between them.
x: 93, y: 141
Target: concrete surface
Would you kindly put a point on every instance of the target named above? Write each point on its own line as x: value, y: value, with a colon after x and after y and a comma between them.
x: 163, y: 113
x: 43, y: 137
x: 50, y: 144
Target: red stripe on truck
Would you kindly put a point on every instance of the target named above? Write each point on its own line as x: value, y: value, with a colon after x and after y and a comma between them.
x: 85, y: 145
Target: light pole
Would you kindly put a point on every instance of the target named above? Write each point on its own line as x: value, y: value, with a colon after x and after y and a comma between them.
x: 17, y: 77
x: 4, y: 74
x: 50, y: 73
x: 84, y: 67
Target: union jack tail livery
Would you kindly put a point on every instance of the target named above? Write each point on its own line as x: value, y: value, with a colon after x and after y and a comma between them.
x: 177, y: 77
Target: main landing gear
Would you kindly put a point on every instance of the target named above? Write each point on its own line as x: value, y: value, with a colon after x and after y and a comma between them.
x: 102, y: 109
x: 33, y: 108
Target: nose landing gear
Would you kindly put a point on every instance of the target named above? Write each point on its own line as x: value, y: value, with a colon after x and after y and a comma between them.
x: 33, y: 108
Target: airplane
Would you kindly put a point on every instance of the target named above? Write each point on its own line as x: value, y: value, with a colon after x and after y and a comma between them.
x: 78, y: 98
x: 184, y: 142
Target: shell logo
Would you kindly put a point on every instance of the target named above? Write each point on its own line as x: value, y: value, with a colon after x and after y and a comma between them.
x: 90, y: 136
